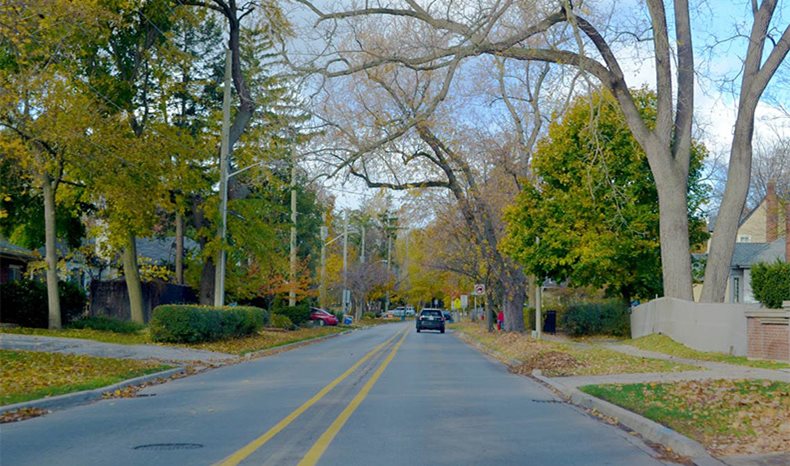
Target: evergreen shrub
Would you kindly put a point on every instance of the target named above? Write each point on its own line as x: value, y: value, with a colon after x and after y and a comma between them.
x: 605, y: 318
x: 771, y: 283
x: 185, y: 323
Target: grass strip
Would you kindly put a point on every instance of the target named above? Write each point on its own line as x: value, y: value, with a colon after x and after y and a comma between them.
x: 29, y: 375
x: 666, y: 345
x: 558, y: 359
x: 727, y: 416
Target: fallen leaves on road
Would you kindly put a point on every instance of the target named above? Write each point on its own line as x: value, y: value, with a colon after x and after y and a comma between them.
x: 727, y: 416
x: 21, y: 414
x: 28, y: 375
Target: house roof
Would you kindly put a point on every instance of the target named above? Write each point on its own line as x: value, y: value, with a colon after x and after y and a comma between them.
x: 8, y: 249
x: 747, y: 254
x: 162, y: 250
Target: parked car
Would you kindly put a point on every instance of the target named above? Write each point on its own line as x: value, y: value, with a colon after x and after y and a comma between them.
x: 323, y: 317
x: 410, y: 311
x: 430, y: 319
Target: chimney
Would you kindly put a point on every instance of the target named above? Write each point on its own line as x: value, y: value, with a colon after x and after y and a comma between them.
x: 772, y: 213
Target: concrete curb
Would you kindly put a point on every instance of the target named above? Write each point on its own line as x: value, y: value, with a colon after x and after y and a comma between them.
x: 85, y: 396
x: 648, y: 429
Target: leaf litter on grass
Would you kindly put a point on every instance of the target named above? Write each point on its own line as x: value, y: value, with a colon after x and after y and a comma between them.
x: 728, y: 416
x: 556, y: 359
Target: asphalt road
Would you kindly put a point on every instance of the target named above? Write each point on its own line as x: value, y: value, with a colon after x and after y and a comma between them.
x: 382, y: 396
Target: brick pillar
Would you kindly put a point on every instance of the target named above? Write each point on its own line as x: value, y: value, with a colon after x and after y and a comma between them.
x: 772, y: 213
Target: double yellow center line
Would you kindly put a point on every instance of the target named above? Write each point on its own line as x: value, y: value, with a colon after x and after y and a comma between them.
x: 314, y: 454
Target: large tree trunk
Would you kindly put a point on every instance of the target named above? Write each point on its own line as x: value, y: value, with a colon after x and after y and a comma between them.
x: 179, y: 248
x: 50, y: 238
x: 513, y: 296
x: 674, y: 233
x: 132, y: 277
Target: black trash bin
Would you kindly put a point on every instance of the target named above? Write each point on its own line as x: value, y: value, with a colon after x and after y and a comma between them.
x: 550, y: 322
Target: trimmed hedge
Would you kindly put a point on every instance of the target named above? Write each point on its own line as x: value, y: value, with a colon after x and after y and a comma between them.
x: 184, y: 323
x: 24, y: 302
x: 298, y: 314
x: 771, y: 283
x: 607, y: 318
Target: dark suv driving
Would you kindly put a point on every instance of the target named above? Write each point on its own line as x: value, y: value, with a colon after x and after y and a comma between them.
x: 430, y: 319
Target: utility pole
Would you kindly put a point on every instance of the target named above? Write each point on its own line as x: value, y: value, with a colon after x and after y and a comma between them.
x: 538, y: 300
x: 322, y: 287
x: 224, y: 154
x: 389, y: 259
x: 292, y: 287
x: 345, y: 264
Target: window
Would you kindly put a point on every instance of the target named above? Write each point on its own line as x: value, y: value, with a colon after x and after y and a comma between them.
x: 744, y: 238
x: 14, y: 273
x: 736, y: 289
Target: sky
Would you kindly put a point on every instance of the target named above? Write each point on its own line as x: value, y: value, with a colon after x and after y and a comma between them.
x: 715, y: 101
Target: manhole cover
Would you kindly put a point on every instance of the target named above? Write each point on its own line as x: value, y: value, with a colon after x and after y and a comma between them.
x: 169, y: 446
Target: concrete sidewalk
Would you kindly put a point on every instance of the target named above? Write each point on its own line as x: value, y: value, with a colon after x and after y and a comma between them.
x: 9, y: 341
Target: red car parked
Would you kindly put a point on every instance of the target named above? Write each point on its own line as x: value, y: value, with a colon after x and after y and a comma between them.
x: 322, y: 317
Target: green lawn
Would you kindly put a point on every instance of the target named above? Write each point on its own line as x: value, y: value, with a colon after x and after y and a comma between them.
x: 728, y: 417
x: 28, y: 375
x: 666, y: 345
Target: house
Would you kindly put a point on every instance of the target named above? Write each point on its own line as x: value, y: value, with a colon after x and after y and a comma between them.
x: 762, y: 237
x: 13, y: 261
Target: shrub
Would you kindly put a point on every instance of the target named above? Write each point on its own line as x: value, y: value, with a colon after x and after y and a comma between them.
x: 607, y: 318
x: 369, y: 315
x: 107, y: 324
x: 176, y: 323
x: 298, y: 314
x: 24, y: 302
x: 771, y: 283
x: 281, y: 321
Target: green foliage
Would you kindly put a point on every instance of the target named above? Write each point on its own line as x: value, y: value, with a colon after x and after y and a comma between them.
x: 282, y: 321
x: 771, y: 283
x: 607, y: 318
x: 595, y: 206
x: 192, y: 324
x: 107, y: 324
x: 298, y: 314
x: 368, y: 315
x: 24, y: 302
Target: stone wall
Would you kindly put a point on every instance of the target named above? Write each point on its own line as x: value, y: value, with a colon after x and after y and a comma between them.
x: 110, y: 298
x: 702, y: 326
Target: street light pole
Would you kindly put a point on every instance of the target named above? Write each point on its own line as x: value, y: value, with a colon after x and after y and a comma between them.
x: 345, y: 264
x: 224, y: 153
x: 292, y: 287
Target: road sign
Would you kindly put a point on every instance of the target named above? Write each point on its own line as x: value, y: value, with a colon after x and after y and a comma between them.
x: 480, y: 289
x: 464, y: 301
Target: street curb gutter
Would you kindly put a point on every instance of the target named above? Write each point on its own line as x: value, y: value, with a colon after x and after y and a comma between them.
x: 648, y: 429
x: 85, y: 396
